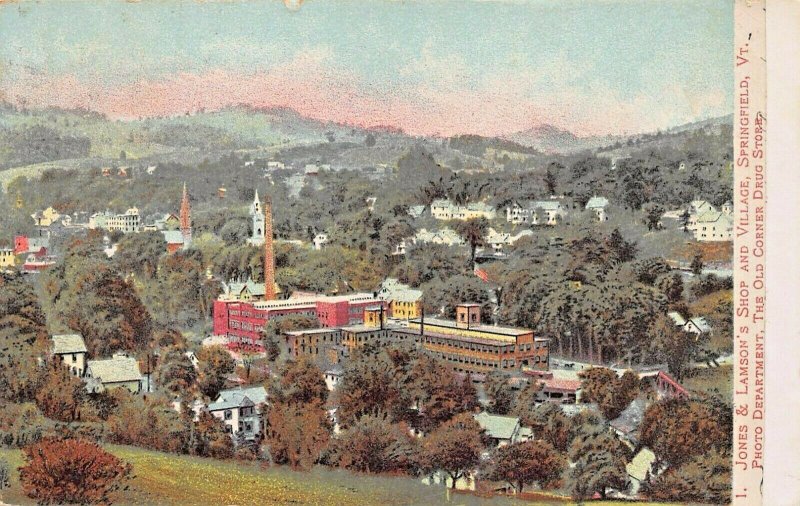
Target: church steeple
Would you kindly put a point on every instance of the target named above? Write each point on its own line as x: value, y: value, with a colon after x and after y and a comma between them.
x: 257, y: 214
x: 186, y: 218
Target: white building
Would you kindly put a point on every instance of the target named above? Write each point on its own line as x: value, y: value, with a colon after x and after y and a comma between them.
x: 70, y: 349
x: 443, y: 209
x: 125, y: 223
x: 320, y: 240
x: 446, y: 236
x: 598, y: 206
x: 540, y: 212
x: 499, y: 240
x: 241, y: 410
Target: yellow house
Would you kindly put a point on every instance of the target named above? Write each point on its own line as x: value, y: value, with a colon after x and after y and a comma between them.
x: 7, y: 258
x: 404, y: 302
x: 47, y: 217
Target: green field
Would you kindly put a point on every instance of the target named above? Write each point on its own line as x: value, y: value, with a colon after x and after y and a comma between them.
x: 165, y: 479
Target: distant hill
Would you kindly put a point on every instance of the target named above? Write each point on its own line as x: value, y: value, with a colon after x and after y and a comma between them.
x: 550, y: 139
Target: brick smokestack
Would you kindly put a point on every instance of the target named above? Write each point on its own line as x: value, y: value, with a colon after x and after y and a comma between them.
x: 269, y: 254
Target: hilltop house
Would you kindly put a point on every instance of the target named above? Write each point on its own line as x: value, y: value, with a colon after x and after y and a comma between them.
x: 446, y: 236
x: 119, y: 371
x: 498, y: 240
x: 46, y: 217
x: 70, y: 349
x: 540, y: 212
x: 320, y: 240
x: 241, y: 410
x: 443, y: 209
x: 598, y: 206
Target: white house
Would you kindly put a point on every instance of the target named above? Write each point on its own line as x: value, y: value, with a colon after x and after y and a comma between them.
x: 320, y: 240
x: 241, y: 409
x: 443, y: 209
x: 503, y: 430
x: 696, y: 325
x: 70, y: 349
x: 544, y: 212
x: 598, y: 206
x: 446, y: 236
x: 498, y: 240
x: 713, y: 226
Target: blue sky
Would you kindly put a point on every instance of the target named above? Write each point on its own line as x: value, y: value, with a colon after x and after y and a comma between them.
x: 639, y: 64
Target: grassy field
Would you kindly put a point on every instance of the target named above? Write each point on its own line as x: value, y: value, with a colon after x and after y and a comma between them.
x: 163, y: 479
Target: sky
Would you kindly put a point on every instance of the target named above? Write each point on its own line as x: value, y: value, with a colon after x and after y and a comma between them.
x: 438, y: 67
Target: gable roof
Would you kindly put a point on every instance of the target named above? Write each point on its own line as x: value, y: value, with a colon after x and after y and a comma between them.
x: 498, y: 426
x: 239, y: 397
x: 173, y: 236
x: 596, y: 202
x: 115, y: 370
x: 641, y: 463
x: 68, y: 343
x: 254, y: 288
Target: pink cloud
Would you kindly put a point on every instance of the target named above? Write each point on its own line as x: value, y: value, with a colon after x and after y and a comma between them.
x: 310, y: 86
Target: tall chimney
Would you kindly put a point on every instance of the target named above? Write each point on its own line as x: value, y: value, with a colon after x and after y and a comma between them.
x: 269, y: 254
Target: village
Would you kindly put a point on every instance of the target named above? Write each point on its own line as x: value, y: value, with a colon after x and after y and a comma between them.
x: 516, y: 385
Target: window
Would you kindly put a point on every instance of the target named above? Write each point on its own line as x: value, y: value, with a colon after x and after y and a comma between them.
x: 228, y: 414
x: 74, y: 358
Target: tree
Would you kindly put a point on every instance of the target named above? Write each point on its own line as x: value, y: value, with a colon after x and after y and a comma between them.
x: 369, y: 140
x: 684, y: 220
x: 71, y: 471
x: 527, y: 399
x: 300, y: 382
x: 210, y: 439
x: 499, y: 392
x: 678, y: 429
x: 440, y: 395
x: 175, y: 372
x: 600, y: 460
x: 61, y: 394
x: 697, y: 265
x: 373, y: 444
x: 653, y: 214
x: 23, y: 333
x: 216, y: 364
x: 674, y: 345
x: 473, y: 231
x: 296, y: 434
x: 623, y: 250
x: 672, y: 287
x: 704, y: 478
x: 530, y: 462
x: 611, y: 393
x: 374, y: 382
x: 139, y: 253
x: 550, y: 181
x: 455, y: 447
x: 550, y: 424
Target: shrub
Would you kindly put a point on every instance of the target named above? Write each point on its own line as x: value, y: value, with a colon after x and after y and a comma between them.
x: 61, y: 471
x: 4, y: 474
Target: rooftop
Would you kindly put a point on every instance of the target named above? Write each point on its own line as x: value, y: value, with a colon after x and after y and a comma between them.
x: 498, y: 426
x: 68, y: 343
x: 489, y: 329
x: 115, y: 370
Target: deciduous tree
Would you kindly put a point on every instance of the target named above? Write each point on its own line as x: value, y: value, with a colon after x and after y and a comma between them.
x: 455, y: 447
x: 529, y: 462
x: 71, y: 471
